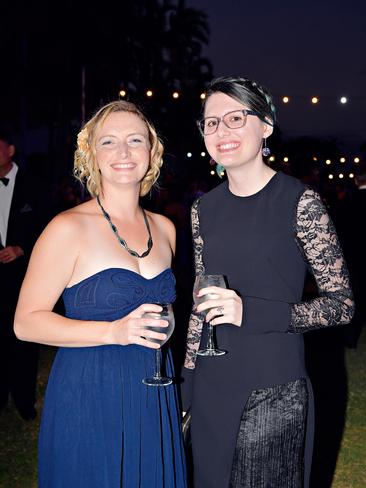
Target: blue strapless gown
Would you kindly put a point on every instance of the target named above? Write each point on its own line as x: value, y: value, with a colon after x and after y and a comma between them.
x: 101, y: 426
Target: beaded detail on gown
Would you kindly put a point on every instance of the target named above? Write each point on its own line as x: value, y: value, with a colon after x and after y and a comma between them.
x: 101, y: 427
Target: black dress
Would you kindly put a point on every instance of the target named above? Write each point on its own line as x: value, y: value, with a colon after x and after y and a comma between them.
x: 252, y: 409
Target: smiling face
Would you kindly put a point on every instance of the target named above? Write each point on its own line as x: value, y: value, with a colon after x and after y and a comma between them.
x: 233, y: 148
x: 122, y: 149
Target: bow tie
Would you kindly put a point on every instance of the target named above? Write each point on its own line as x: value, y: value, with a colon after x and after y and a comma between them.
x: 5, y: 181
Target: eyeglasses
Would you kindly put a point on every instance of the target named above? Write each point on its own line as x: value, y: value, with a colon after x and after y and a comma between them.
x: 233, y: 120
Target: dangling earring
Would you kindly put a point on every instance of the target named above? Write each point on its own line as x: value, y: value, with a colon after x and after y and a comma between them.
x: 266, y: 150
x: 219, y: 168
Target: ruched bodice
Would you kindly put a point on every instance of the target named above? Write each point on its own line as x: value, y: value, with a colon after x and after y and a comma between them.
x: 101, y: 427
x: 114, y: 292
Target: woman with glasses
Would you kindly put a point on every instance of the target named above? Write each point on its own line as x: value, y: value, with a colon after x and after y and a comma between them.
x: 252, y: 408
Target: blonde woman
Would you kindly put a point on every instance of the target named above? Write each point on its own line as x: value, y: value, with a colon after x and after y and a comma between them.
x: 111, y: 261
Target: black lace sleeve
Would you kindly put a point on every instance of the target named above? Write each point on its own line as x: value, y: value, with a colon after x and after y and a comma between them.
x: 319, y: 244
x: 195, y: 322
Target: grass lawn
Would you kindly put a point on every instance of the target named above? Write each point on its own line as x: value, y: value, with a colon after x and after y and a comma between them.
x: 18, y: 439
x: 351, y: 465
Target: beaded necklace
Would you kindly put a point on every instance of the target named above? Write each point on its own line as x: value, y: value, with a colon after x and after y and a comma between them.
x: 122, y: 241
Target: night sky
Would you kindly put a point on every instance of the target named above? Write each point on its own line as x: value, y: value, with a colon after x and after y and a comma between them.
x: 299, y: 49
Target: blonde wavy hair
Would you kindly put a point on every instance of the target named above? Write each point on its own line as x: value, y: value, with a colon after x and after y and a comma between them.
x: 86, y: 169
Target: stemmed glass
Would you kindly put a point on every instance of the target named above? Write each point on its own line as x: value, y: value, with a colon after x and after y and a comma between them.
x: 203, y: 281
x: 166, y: 314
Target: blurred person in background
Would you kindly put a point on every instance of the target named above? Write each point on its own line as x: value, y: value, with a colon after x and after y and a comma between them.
x: 22, y: 217
x: 351, y: 225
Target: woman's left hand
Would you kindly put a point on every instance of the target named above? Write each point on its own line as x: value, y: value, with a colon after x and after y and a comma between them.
x: 225, y: 308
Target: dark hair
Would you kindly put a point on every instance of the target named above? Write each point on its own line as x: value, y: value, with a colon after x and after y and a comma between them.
x: 247, y: 92
x: 6, y: 136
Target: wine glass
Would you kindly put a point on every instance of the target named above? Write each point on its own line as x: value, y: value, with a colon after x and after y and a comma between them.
x: 203, y: 281
x: 166, y: 314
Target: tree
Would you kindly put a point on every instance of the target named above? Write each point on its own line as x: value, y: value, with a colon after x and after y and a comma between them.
x: 135, y: 44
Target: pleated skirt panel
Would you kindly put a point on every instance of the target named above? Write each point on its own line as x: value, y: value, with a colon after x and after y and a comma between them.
x: 270, y: 447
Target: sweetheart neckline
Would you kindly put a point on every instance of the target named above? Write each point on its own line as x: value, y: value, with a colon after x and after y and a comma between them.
x: 119, y: 269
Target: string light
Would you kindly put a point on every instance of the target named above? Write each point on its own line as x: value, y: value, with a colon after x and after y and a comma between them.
x: 331, y: 176
x: 286, y: 159
x: 285, y: 99
x: 342, y: 159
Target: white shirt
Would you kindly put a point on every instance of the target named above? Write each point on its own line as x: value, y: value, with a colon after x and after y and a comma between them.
x: 6, y: 196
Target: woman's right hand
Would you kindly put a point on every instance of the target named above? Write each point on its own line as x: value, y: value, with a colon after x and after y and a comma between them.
x: 133, y: 328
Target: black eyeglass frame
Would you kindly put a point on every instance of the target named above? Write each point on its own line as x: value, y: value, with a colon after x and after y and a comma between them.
x: 221, y: 119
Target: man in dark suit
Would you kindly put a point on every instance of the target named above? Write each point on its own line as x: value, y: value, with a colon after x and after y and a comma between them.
x: 20, y: 225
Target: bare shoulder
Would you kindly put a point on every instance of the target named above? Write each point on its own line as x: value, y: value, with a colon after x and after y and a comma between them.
x: 84, y: 209
x: 68, y: 225
x: 164, y: 224
x: 165, y: 227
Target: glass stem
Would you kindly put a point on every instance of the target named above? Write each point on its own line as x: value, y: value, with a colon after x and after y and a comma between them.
x: 210, y: 343
x: 157, y: 363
